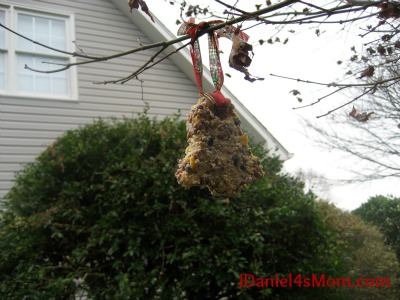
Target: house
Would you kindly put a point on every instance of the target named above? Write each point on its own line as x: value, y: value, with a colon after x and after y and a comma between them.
x: 35, y: 108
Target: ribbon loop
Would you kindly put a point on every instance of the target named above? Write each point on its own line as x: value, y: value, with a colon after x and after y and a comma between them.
x: 217, y: 74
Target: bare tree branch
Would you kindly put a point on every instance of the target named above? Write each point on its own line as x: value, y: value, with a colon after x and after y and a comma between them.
x: 367, y: 91
x: 145, y: 67
x: 375, y: 144
x: 255, y: 15
x: 163, y: 45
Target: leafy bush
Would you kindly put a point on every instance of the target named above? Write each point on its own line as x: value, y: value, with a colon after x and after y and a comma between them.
x: 364, y: 252
x: 383, y: 212
x: 100, y: 209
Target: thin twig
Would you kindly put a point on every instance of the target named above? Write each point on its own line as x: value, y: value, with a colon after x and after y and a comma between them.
x: 315, y: 6
x: 347, y: 103
x: 334, y: 84
x: 146, y: 66
x: 319, y: 99
x: 232, y: 7
x: 143, y: 68
x: 45, y: 46
x: 47, y: 72
x: 307, y: 20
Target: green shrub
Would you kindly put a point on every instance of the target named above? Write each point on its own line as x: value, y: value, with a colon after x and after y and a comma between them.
x: 101, y: 206
x: 384, y: 213
x: 364, y: 254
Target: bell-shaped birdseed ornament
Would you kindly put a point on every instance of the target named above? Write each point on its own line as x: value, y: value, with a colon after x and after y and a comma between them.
x: 218, y: 155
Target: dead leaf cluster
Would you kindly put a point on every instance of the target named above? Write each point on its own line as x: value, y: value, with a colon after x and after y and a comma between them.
x: 368, y: 72
x: 389, y: 10
x: 360, y: 117
x: 241, y: 56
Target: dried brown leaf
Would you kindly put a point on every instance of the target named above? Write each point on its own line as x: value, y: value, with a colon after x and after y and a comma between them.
x: 360, y: 117
x: 389, y: 10
x: 135, y: 4
x: 368, y: 72
x: 295, y: 92
x: 240, y: 57
x: 353, y: 112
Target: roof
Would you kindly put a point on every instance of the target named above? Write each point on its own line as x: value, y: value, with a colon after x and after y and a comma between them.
x: 157, y: 32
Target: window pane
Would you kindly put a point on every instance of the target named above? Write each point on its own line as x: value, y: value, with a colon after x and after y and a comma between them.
x: 30, y: 81
x: 2, y: 71
x: 25, y: 27
x: 58, y: 34
x: 48, y: 31
x: 42, y: 31
x: 2, y: 30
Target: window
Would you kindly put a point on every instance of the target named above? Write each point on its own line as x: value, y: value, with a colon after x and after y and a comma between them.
x: 19, y: 56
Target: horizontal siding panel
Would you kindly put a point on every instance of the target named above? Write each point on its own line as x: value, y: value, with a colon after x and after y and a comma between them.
x: 82, y: 112
x: 12, y: 167
x: 151, y: 99
x: 122, y: 36
x: 28, y: 142
x: 20, y: 150
x: 115, y: 47
x: 114, y: 89
x: 92, y: 47
x: 5, y: 185
x: 40, y: 118
x: 75, y: 122
x: 6, y: 176
x: 74, y: 105
x: 16, y: 158
x: 107, y: 14
x: 125, y: 63
x: 109, y: 70
x: 166, y: 74
x: 21, y: 125
x: 57, y: 118
x: 3, y: 194
x: 148, y: 93
x: 105, y: 81
x: 114, y: 25
x: 85, y: 111
x: 26, y: 133
x: 124, y: 90
x: 154, y: 83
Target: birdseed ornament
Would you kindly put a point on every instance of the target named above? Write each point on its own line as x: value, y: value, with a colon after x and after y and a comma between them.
x: 218, y: 155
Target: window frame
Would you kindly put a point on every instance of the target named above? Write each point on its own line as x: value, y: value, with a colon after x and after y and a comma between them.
x: 5, y: 49
x: 11, y: 44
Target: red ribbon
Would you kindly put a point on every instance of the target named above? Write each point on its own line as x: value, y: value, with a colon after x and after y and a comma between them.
x: 217, y: 74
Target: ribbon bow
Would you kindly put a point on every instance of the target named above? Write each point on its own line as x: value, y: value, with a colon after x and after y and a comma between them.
x: 213, y: 48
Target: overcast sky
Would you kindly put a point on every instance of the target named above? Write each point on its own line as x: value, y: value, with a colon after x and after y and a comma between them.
x: 308, y: 57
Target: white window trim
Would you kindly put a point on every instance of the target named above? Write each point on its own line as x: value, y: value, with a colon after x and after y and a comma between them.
x: 7, y: 42
x: 11, y: 11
